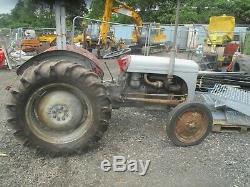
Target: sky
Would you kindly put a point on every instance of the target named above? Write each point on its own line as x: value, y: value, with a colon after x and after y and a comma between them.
x: 7, y: 5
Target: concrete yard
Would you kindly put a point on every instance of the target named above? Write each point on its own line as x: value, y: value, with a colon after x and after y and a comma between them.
x: 221, y: 160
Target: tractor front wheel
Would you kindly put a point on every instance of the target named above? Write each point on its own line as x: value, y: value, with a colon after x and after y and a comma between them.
x: 189, y: 124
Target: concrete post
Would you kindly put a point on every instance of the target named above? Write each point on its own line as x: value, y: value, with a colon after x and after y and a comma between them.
x: 60, y: 16
x: 174, y: 49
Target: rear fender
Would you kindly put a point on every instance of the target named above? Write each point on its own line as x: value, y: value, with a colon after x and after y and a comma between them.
x: 72, y: 54
x: 189, y: 79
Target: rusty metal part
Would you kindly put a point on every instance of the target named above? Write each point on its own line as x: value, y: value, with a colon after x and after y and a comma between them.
x: 80, y: 51
x: 191, y: 126
x: 30, y: 45
x: 156, y: 96
x: 157, y: 84
x: 155, y: 101
x: 141, y: 99
x: 73, y: 51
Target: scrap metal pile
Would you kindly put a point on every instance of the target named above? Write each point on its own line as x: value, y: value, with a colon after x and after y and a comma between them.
x: 207, y: 80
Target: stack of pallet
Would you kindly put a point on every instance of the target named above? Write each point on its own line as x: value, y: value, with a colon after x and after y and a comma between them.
x: 230, y: 107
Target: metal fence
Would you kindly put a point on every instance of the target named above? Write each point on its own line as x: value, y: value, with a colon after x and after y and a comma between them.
x: 189, y: 36
x: 11, y: 38
x: 5, y: 37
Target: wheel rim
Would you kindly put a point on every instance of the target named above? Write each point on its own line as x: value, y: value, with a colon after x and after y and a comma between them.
x: 191, y: 126
x: 58, y: 113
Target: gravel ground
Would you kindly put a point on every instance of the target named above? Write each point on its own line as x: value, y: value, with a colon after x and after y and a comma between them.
x: 221, y: 160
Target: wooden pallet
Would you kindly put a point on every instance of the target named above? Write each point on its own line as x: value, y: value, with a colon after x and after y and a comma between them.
x: 230, y: 128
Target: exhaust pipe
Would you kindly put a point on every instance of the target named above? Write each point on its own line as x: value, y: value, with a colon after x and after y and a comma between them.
x: 173, y: 50
x: 155, y: 101
x: 157, y: 84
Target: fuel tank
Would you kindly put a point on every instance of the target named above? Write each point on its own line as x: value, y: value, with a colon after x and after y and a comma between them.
x: 160, y: 65
x: 187, y: 70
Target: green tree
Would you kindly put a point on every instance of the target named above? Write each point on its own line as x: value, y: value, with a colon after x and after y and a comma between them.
x: 96, y: 9
x: 39, y: 13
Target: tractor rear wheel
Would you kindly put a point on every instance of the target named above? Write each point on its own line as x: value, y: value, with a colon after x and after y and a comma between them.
x: 60, y: 107
x: 189, y: 124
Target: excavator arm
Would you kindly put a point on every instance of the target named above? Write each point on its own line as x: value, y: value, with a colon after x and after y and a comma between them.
x: 105, y: 27
x: 122, y: 9
x: 129, y: 11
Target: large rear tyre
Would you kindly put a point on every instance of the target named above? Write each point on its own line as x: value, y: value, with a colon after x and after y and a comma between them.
x: 189, y: 124
x: 60, y: 107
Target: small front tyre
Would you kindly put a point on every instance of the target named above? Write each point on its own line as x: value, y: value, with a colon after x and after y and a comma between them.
x: 189, y: 124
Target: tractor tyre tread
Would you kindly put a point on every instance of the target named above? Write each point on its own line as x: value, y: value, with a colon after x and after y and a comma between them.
x: 44, y: 73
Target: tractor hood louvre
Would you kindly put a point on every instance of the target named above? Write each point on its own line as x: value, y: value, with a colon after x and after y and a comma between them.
x: 160, y: 65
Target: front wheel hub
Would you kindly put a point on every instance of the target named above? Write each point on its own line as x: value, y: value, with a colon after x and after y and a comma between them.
x: 191, y: 126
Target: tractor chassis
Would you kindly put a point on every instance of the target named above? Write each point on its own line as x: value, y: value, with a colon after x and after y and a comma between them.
x: 121, y: 99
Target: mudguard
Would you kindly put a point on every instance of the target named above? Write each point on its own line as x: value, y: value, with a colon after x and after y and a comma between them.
x: 72, y: 53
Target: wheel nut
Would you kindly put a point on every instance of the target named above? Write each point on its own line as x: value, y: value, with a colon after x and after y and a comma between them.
x: 192, y: 125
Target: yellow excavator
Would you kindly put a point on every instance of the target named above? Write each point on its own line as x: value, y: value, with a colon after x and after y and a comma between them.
x: 131, y: 12
x: 142, y: 39
x: 122, y: 9
x: 149, y: 35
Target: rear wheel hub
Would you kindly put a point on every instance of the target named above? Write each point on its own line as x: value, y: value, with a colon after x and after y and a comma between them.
x: 60, y: 110
x: 58, y: 113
